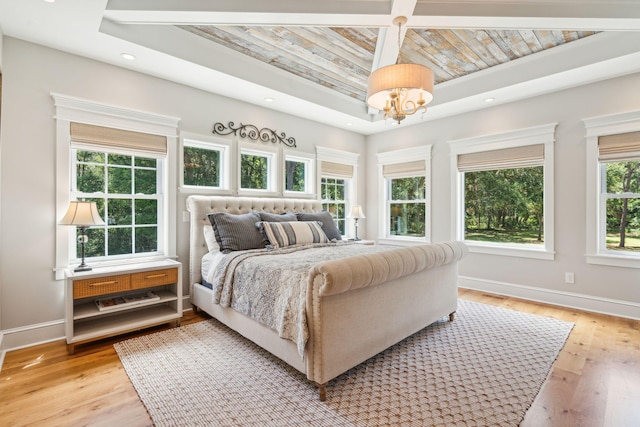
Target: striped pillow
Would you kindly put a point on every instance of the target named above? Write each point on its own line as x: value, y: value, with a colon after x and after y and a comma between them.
x: 283, y: 234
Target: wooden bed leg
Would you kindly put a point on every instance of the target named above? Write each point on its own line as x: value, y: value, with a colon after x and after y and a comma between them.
x: 452, y: 316
x: 322, y: 392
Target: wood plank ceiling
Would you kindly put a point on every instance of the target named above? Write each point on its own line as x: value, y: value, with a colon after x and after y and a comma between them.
x: 341, y: 58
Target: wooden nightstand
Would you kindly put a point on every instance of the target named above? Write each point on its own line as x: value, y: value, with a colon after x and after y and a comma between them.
x: 85, y: 321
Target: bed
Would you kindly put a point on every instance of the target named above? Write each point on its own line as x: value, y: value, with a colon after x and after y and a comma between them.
x: 353, y: 307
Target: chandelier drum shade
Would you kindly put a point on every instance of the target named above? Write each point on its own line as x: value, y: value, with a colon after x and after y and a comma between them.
x: 400, y: 90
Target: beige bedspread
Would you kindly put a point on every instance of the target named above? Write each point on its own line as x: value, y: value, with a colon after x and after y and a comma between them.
x: 270, y: 286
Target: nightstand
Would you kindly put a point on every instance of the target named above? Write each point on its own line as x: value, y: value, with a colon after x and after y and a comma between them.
x: 133, y: 296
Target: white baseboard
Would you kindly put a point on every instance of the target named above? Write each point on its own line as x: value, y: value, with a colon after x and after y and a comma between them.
x: 609, y: 306
x: 27, y: 336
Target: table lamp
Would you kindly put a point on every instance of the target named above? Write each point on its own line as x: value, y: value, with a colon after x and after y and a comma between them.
x: 356, y: 214
x: 82, y: 215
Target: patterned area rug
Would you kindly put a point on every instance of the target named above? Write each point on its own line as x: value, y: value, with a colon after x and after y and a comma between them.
x: 483, y: 369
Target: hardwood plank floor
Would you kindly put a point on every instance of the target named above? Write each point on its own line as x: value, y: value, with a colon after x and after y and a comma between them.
x: 595, y: 381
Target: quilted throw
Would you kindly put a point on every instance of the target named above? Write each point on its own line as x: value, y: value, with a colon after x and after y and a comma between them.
x: 270, y: 286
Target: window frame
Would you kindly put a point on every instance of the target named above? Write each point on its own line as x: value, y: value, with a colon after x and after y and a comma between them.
x: 596, y: 252
x: 274, y: 179
x: 158, y: 196
x: 224, y: 147
x: 310, y: 174
x: 71, y: 109
x: 344, y: 202
x: 332, y: 155
x: 421, y: 153
x: 543, y: 134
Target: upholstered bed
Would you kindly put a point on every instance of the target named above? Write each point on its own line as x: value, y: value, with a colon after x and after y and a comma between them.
x: 354, y: 307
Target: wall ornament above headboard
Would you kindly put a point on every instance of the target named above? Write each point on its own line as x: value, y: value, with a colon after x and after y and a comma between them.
x: 252, y: 132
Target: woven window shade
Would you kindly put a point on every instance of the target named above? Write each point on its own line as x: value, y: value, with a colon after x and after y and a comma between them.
x: 408, y: 168
x: 338, y: 170
x: 111, y: 139
x: 506, y: 158
x: 624, y: 146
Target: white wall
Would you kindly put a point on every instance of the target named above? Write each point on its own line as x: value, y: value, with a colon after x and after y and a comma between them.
x: 535, y: 279
x: 30, y: 295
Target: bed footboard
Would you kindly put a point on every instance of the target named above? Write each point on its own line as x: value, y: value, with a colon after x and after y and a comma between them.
x: 360, y: 306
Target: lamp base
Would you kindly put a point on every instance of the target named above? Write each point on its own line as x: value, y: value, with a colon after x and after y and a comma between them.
x: 82, y: 267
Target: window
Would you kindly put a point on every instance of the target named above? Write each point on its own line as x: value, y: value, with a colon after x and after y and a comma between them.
x: 333, y: 196
x: 205, y: 163
x: 124, y: 172
x: 405, y: 204
x: 299, y: 174
x: 126, y: 191
x: 257, y: 171
x: 338, y: 185
x: 504, y: 185
x: 613, y: 190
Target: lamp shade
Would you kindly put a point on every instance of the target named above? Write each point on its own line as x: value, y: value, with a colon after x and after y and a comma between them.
x: 356, y: 212
x: 416, y: 79
x: 82, y: 214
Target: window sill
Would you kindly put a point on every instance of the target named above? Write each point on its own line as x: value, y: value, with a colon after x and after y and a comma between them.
x: 628, y: 261
x: 400, y: 241
x: 520, y: 251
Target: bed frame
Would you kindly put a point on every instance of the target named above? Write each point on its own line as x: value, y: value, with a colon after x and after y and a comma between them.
x: 397, y: 293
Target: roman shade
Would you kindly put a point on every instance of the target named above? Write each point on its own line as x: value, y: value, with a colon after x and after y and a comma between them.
x: 406, y: 168
x: 506, y: 158
x: 336, y: 170
x: 623, y: 146
x: 110, y: 139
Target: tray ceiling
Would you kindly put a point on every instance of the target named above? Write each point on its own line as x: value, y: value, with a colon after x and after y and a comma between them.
x: 312, y: 58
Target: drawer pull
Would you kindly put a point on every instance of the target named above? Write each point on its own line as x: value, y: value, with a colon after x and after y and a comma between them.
x: 110, y: 282
x: 155, y: 276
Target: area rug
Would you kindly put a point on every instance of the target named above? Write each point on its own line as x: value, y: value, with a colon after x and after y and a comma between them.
x: 483, y: 369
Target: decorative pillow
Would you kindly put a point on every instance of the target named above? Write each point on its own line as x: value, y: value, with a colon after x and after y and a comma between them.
x: 272, y: 217
x: 282, y: 234
x: 210, y: 238
x: 328, y: 224
x: 237, y: 232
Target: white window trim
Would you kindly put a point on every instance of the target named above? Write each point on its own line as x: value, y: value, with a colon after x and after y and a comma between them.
x: 210, y: 143
x: 596, y: 127
x: 543, y: 134
x: 310, y: 174
x: 325, y: 154
x: 71, y: 109
x: 404, y: 156
x: 274, y: 182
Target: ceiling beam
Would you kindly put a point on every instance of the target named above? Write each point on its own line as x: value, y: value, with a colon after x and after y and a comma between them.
x: 594, y: 15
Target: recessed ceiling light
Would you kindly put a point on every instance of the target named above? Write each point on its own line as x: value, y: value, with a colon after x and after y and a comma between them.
x: 269, y: 99
x: 488, y: 100
x: 49, y: 1
x: 349, y: 124
x: 128, y: 56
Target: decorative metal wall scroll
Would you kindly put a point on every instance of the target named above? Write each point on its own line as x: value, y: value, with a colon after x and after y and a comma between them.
x: 252, y: 132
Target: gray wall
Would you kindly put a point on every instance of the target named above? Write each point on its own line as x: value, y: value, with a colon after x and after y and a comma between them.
x: 518, y: 275
x: 30, y: 294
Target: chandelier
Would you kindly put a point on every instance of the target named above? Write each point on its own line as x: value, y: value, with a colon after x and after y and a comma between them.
x: 400, y: 90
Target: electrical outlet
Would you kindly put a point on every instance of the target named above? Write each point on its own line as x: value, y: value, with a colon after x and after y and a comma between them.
x: 569, y: 278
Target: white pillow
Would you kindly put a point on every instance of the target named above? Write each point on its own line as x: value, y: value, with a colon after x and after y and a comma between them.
x: 210, y: 239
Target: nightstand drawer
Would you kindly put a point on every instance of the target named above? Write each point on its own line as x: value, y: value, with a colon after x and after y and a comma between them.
x: 148, y: 279
x: 100, y: 286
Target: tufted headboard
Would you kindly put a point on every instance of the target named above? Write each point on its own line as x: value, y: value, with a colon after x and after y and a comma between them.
x: 201, y: 206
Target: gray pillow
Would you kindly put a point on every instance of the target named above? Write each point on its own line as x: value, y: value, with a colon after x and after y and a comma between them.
x: 272, y: 217
x: 328, y: 224
x: 237, y: 232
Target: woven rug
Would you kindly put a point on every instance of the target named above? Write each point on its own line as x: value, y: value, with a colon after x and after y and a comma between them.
x: 483, y: 369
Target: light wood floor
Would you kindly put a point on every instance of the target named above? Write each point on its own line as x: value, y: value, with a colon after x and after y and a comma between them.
x: 595, y: 381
